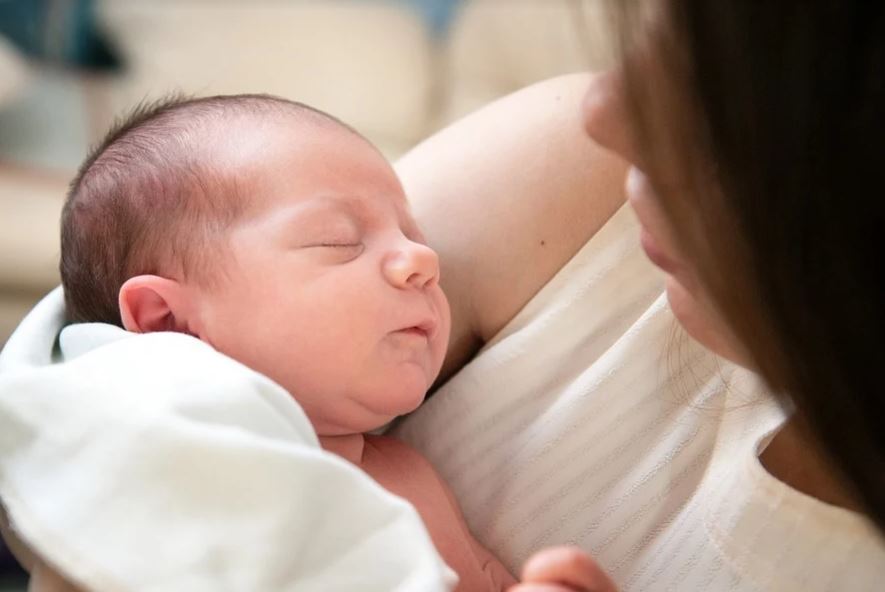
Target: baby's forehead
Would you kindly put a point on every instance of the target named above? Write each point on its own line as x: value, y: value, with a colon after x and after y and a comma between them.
x: 257, y: 132
x: 303, y: 157
x: 250, y: 140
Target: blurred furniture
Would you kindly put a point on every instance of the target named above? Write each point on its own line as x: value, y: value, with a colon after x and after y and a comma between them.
x: 375, y: 64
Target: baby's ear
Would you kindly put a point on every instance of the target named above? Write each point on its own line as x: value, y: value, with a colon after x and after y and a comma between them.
x: 150, y: 303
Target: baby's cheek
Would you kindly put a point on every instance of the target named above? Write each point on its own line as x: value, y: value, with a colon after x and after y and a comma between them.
x: 445, y: 331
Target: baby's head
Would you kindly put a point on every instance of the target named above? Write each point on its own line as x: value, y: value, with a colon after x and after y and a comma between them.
x: 274, y: 233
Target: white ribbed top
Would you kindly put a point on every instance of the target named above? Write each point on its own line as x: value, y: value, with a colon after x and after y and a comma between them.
x: 590, y: 419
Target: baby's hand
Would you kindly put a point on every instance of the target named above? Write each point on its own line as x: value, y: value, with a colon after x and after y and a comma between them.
x: 562, y: 569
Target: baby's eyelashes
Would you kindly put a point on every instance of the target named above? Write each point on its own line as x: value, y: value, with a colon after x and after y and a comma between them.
x: 335, y: 252
x: 337, y: 245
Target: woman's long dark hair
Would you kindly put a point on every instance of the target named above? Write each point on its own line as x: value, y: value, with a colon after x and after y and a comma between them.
x: 762, y: 125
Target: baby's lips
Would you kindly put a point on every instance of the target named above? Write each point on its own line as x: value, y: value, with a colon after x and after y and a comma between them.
x: 427, y: 327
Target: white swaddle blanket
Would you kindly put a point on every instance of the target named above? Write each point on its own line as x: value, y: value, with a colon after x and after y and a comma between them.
x: 151, y: 462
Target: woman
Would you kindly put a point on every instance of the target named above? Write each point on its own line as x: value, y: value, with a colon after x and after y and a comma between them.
x: 742, y: 209
x: 743, y: 124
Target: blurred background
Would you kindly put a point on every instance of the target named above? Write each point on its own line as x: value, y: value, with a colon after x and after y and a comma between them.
x: 397, y: 70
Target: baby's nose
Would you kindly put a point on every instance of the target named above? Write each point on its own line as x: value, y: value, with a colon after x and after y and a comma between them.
x: 414, y: 265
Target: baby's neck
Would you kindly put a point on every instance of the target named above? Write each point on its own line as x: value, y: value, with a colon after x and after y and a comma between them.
x: 347, y: 446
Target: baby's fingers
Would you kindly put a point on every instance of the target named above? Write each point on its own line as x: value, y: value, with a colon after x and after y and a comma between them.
x: 567, y: 568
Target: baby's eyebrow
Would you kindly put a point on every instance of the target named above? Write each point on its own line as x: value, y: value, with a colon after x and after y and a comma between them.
x: 365, y: 208
x: 357, y: 209
x: 324, y: 204
x: 352, y: 204
x: 305, y: 212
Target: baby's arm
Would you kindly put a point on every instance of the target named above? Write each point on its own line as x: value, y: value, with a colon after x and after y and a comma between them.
x: 506, y: 196
x: 499, y: 578
x: 563, y: 569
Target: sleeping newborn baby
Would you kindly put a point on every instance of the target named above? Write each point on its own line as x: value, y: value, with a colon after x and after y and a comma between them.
x: 282, y: 238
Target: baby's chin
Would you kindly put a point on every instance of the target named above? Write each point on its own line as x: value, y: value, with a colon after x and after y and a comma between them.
x: 401, y: 403
x: 371, y: 412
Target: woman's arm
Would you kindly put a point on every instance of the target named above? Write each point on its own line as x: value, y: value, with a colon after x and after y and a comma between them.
x: 506, y: 196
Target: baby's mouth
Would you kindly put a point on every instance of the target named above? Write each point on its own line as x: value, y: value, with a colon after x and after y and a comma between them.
x: 416, y: 331
x: 425, y: 329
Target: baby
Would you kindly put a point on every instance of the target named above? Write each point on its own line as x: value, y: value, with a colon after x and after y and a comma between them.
x: 282, y: 238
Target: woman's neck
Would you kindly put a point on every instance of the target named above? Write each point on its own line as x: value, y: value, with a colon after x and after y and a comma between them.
x: 795, y: 458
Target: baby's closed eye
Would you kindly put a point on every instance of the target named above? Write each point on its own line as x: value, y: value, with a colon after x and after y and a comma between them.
x: 335, y: 251
x: 334, y: 244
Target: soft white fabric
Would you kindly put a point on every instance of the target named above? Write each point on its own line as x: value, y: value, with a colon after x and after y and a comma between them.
x: 152, y: 462
x: 591, y: 420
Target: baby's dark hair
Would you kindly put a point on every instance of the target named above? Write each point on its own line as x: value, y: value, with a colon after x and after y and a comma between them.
x: 148, y: 200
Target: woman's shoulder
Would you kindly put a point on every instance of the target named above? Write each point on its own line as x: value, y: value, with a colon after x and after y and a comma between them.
x: 507, y: 196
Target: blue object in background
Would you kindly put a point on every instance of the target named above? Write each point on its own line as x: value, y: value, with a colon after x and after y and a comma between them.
x: 65, y: 32
x: 437, y: 13
x: 57, y: 31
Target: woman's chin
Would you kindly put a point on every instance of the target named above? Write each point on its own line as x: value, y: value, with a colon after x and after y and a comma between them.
x: 700, y: 322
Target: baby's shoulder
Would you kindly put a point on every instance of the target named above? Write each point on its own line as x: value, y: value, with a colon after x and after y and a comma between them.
x: 390, y: 460
x: 394, y: 451
x: 404, y: 471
